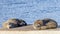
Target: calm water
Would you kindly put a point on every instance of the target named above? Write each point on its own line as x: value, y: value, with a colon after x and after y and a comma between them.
x: 29, y: 10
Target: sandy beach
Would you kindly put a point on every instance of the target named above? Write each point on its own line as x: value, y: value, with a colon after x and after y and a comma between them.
x: 28, y: 28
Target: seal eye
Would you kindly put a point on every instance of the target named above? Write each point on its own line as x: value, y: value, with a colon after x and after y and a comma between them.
x: 11, y: 25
